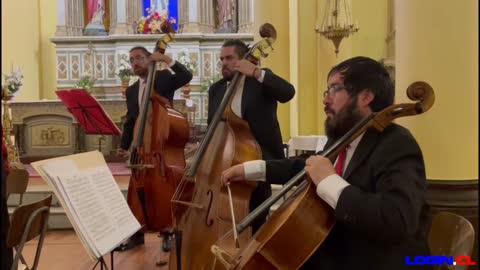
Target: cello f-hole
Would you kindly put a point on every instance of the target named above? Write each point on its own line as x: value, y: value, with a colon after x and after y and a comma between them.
x: 208, y: 220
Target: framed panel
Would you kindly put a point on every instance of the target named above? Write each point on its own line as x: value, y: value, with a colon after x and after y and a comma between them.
x: 62, y: 67
x: 74, y: 67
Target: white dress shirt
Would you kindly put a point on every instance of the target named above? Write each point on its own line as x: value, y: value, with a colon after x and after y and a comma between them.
x: 329, y: 189
x: 237, y: 99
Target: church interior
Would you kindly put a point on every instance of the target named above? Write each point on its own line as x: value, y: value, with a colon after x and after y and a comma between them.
x: 50, y: 46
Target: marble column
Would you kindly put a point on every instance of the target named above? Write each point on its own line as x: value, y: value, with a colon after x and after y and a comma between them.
x: 78, y: 18
x: 70, y: 18
x: 196, y: 16
x: 245, y: 16
x: 61, y: 22
x: 134, y: 12
x: 118, y: 18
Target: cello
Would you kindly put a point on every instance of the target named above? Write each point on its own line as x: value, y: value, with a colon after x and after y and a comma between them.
x: 200, y: 221
x: 157, y: 156
x: 304, y: 220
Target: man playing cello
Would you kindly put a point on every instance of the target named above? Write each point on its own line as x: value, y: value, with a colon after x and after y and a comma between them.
x: 377, y: 187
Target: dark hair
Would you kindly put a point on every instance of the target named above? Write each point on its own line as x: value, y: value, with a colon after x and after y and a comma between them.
x: 365, y: 73
x: 240, y: 47
x: 141, y: 48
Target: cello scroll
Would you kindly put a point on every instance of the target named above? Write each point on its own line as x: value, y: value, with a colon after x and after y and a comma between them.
x: 418, y: 91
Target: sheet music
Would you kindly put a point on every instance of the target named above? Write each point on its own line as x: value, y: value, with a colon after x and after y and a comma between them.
x: 59, y: 191
x: 93, y: 201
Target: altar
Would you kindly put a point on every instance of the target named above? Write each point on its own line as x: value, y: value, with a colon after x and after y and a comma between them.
x: 202, y: 27
x: 93, y: 35
x: 100, y: 56
x: 45, y: 129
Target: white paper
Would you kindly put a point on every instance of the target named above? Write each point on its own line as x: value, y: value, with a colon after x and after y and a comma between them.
x: 322, y: 140
x: 52, y: 177
x: 93, y: 202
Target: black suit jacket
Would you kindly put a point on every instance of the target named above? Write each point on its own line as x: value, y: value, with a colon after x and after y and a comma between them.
x: 259, y: 109
x: 165, y: 84
x: 381, y: 216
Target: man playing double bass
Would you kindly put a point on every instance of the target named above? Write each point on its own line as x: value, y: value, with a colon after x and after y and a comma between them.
x: 256, y: 103
x: 377, y: 187
x: 165, y: 84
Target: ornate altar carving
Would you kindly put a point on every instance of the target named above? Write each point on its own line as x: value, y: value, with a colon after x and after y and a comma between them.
x: 98, y: 56
x: 45, y: 129
x: 50, y: 135
x: 119, y: 16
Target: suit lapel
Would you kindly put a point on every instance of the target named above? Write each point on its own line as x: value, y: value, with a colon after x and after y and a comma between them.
x: 363, y: 151
x: 221, y: 94
x: 136, y: 89
x: 244, y: 102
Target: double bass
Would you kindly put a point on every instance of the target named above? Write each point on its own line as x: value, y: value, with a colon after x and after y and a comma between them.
x: 304, y: 220
x: 157, y: 156
x: 206, y: 216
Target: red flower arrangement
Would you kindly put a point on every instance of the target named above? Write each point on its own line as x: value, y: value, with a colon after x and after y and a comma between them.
x: 152, y: 23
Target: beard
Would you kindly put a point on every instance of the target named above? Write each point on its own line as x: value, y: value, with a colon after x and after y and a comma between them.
x: 141, y: 72
x: 341, y: 122
x: 227, y: 74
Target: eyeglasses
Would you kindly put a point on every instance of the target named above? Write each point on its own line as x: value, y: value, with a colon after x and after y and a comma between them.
x: 138, y: 59
x: 330, y: 92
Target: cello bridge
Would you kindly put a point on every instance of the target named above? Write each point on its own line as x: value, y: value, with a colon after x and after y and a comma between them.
x: 141, y: 166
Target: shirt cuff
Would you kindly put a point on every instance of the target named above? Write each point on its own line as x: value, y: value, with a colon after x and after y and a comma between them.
x: 172, y: 63
x: 262, y: 76
x: 330, y: 188
x: 255, y: 170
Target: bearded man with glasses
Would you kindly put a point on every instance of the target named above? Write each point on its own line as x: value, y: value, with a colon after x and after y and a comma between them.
x: 377, y: 185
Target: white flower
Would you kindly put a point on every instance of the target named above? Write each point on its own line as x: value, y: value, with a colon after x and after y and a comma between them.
x: 86, y: 82
x: 14, y: 80
x: 123, y: 69
x: 184, y: 59
x: 207, y: 82
x: 155, y: 26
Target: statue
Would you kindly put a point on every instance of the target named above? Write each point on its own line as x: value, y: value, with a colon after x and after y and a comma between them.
x: 95, y: 16
x: 225, y: 14
x: 161, y: 6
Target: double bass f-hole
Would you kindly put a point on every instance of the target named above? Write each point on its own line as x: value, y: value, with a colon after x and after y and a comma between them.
x: 208, y: 218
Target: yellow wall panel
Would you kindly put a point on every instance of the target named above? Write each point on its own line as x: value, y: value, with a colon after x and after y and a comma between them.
x: 20, y: 44
x: 278, y: 60
x: 48, y: 23
x: 437, y: 42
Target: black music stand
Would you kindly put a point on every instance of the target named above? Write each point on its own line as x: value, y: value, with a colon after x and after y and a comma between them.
x: 102, y: 262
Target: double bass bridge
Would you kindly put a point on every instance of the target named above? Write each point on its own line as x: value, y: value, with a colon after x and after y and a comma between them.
x: 189, y: 204
x: 141, y: 166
